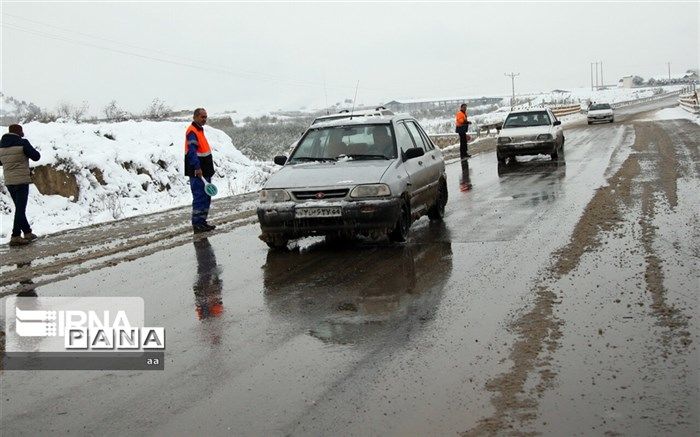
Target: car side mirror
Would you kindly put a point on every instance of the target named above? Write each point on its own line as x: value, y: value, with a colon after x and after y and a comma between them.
x: 280, y: 160
x: 415, y: 152
x: 557, y: 123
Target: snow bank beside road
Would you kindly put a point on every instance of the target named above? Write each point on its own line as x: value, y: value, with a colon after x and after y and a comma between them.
x: 121, y: 170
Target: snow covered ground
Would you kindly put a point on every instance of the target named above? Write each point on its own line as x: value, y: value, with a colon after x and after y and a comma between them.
x: 676, y: 113
x: 122, y: 170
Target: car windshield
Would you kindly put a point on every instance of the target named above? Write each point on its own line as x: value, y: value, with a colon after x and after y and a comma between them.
x: 525, y: 119
x: 371, y: 141
x: 600, y: 106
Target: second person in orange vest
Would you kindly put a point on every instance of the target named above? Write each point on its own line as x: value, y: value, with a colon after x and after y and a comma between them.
x: 462, y: 125
x: 199, y: 164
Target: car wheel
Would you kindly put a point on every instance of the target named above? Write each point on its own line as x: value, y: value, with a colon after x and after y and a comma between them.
x: 400, y: 232
x: 500, y: 158
x: 339, y: 238
x: 437, y: 211
x: 277, y: 243
x: 590, y: 122
x: 555, y: 155
x: 612, y: 120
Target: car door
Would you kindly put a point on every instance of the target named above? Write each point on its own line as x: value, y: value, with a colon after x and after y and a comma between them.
x: 558, y: 130
x: 418, y: 172
x: 431, y: 162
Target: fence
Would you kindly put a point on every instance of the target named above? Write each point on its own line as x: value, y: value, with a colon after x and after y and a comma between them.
x: 688, y: 100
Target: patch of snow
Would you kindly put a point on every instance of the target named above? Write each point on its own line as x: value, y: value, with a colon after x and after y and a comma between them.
x: 142, y: 169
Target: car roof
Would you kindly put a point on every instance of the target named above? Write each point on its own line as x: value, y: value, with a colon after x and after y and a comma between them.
x: 355, y: 120
x: 377, y: 112
x: 531, y: 109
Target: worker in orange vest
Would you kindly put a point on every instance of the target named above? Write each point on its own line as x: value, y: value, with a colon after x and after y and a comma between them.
x: 462, y: 126
x: 199, y: 165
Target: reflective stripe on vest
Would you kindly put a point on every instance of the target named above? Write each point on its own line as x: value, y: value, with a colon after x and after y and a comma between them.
x: 203, y: 148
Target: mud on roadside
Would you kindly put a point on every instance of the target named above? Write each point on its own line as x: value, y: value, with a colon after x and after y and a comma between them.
x: 645, y: 183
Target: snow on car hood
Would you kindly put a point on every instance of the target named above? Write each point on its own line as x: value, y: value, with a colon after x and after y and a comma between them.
x: 322, y: 174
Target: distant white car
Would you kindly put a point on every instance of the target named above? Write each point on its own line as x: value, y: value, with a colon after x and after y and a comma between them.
x: 600, y: 112
x: 530, y: 131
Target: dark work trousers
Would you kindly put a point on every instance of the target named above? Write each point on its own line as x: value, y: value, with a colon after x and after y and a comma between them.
x: 20, y: 195
x: 200, y: 201
x: 463, y: 145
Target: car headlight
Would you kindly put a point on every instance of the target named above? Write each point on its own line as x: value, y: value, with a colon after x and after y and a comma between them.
x: 371, y: 190
x: 274, y: 196
x: 504, y: 140
x: 544, y: 137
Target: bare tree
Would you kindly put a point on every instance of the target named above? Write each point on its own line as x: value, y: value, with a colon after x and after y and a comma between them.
x: 157, y: 110
x: 64, y: 110
x: 113, y: 112
x: 79, y: 112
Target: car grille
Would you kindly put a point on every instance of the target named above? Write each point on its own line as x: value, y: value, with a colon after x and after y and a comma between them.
x: 320, y: 194
x: 524, y: 138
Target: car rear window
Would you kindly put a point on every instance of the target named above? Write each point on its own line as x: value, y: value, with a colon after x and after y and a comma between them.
x: 599, y: 106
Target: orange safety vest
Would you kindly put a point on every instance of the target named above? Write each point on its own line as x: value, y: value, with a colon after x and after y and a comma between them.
x: 461, y: 118
x: 203, y: 148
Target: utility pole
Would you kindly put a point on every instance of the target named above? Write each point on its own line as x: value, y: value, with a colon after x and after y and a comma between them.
x: 669, y: 70
x: 596, y: 75
x: 512, y: 82
x: 591, y: 76
x: 602, y: 82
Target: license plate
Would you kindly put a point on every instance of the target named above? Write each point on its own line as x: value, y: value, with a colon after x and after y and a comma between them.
x: 331, y: 211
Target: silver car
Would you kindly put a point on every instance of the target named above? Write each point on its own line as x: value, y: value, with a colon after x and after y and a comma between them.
x: 531, y: 131
x: 357, y: 176
x: 600, y: 112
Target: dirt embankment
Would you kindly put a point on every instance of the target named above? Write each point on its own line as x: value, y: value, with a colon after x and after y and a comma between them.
x: 645, y: 183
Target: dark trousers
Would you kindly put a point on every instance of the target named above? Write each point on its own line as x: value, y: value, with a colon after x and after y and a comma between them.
x: 200, y: 201
x: 463, y: 145
x: 20, y: 195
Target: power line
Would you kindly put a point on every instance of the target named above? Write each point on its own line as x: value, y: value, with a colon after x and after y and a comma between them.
x: 218, y: 69
x: 146, y: 49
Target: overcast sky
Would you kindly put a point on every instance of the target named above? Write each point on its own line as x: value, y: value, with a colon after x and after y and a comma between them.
x: 250, y: 56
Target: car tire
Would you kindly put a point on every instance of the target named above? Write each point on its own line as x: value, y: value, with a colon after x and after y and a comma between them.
x: 555, y: 155
x: 339, y: 238
x: 277, y: 243
x: 400, y: 232
x: 590, y: 122
x: 612, y: 120
x: 500, y: 158
x: 437, y: 211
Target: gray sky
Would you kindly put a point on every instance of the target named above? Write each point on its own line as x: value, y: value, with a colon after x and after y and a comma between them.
x: 256, y: 56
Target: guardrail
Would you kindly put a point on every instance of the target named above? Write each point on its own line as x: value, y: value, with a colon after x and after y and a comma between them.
x: 689, y: 102
x: 561, y: 110
x: 645, y: 99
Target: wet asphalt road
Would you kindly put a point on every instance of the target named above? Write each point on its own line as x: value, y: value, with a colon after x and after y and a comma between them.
x: 427, y: 338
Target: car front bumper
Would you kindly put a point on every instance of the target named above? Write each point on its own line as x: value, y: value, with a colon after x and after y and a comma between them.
x: 527, y: 148
x: 362, y: 216
x: 600, y: 118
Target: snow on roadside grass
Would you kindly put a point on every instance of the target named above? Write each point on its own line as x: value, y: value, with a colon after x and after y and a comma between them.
x: 140, y: 165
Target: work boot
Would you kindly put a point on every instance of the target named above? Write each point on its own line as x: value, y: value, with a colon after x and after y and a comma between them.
x: 18, y: 241
x: 198, y: 229
x: 211, y: 227
x: 31, y: 236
